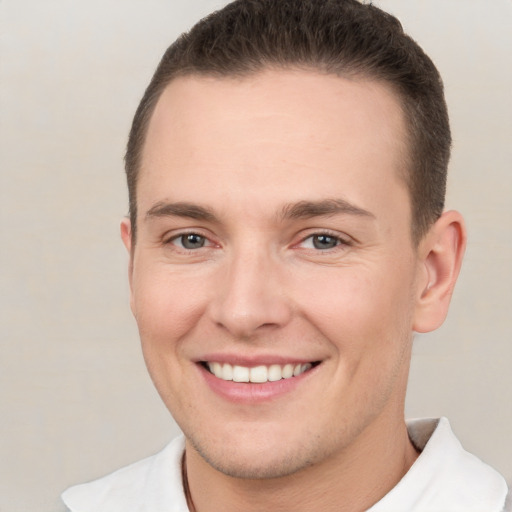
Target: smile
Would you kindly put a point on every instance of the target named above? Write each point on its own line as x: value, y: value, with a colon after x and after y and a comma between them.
x: 257, y: 374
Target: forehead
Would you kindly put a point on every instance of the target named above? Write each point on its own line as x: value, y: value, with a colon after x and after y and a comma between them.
x: 286, y: 129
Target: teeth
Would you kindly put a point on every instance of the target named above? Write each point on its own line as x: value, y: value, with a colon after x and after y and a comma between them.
x: 240, y: 374
x: 274, y: 373
x: 257, y: 374
x: 227, y: 372
x: 287, y: 371
x: 217, y: 370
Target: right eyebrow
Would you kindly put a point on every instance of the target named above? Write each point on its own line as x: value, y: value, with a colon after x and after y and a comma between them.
x: 326, y: 207
x: 181, y: 209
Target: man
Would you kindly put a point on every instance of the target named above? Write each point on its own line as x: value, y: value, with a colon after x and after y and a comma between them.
x: 286, y: 170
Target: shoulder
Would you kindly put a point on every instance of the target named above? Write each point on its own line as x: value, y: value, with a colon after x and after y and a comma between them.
x: 150, y: 484
x: 445, y: 476
x: 508, y: 501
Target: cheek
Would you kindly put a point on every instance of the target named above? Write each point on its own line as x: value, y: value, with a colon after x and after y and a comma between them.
x: 366, y: 318
x: 166, y: 305
x: 359, y: 310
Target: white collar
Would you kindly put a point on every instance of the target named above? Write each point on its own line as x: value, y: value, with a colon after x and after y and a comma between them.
x: 444, y: 478
x: 153, y: 484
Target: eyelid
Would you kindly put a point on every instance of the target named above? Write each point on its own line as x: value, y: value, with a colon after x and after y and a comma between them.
x: 169, y: 238
x: 343, y: 239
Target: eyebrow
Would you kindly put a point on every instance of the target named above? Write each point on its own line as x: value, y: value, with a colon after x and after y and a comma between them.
x: 181, y: 209
x: 299, y: 210
x: 326, y: 207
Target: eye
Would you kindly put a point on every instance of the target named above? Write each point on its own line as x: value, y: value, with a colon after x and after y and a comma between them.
x: 190, y: 241
x: 322, y: 241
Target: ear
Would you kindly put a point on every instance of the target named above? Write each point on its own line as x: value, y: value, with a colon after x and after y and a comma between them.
x: 126, y: 236
x: 440, y: 258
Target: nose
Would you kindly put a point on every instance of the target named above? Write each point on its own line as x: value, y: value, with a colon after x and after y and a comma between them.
x: 250, y: 297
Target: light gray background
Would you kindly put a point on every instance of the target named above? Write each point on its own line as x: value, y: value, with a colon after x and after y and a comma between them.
x: 76, y: 402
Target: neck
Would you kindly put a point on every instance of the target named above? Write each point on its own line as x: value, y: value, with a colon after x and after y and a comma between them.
x: 354, y: 479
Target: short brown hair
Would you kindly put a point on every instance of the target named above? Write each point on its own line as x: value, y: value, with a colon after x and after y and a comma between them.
x: 342, y: 37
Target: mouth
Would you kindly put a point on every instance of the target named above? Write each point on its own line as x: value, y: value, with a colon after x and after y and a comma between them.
x: 257, y: 374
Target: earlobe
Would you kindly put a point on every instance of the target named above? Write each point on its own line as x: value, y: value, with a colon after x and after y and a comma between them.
x: 441, y: 252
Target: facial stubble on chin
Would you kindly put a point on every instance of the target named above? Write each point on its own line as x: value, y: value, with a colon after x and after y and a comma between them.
x: 287, y: 466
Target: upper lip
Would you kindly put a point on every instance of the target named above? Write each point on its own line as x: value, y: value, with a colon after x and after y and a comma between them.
x: 255, y: 360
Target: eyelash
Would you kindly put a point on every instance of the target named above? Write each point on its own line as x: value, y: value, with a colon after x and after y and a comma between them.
x: 182, y: 237
x: 339, y: 241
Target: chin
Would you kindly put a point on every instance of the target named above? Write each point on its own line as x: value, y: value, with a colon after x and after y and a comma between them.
x: 256, y: 456
x: 252, y: 466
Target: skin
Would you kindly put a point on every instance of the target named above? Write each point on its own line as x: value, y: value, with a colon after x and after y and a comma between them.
x: 260, y: 162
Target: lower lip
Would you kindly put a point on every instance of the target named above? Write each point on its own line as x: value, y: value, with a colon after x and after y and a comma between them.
x: 248, y: 392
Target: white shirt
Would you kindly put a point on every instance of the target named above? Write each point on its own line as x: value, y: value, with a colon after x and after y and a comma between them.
x: 444, y: 478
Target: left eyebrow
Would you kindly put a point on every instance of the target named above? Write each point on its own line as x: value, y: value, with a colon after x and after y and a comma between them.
x: 188, y: 210
x: 326, y: 207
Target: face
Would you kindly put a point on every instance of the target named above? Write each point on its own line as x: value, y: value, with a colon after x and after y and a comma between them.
x: 274, y: 276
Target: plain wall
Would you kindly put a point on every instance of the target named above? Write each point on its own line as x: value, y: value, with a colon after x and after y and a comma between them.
x: 75, y: 398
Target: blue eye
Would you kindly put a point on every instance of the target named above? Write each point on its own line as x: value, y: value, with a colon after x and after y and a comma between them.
x: 190, y: 241
x: 323, y: 242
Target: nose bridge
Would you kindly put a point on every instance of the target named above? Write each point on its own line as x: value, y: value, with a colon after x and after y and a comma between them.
x: 251, y: 295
